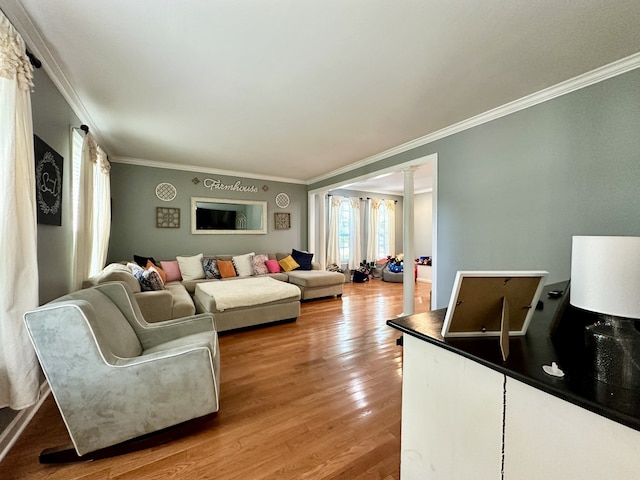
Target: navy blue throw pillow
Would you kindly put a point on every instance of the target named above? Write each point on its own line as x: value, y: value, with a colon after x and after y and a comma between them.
x: 302, y: 258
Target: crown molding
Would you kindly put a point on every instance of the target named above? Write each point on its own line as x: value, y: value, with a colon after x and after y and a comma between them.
x: 18, y: 16
x: 581, y: 81
x: 200, y: 169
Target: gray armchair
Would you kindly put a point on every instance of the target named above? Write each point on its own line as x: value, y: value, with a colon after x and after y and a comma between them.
x: 116, y: 377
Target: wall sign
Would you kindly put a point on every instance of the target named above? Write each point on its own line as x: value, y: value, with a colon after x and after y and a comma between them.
x: 48, y: 183
x: 216, y: 184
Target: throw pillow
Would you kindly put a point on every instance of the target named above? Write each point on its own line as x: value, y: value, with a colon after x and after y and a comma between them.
x: 142, y: 261
x: 191, y: 267
x: 160, y: 271
x: 288, y: 264
x: 243, y: 264
x: 259, y: 267
x: 273, y: 266
x: 172, y: 269
x: 226, y: 269
x: 210, y: 266
x: 149, y: 280
x: 302, y: 258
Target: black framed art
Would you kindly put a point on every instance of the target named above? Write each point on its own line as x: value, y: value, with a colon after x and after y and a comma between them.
x: 48, y: 183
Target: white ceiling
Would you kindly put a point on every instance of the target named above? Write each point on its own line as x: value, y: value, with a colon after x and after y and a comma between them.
x: 298, y: 89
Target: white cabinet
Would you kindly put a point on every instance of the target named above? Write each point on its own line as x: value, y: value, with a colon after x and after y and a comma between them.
x: 452, y: 426
x: 549, y: 438
x: 451, y: 416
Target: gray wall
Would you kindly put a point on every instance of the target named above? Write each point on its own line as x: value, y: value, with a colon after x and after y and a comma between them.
x: 134, y: 231
x: 512, y: 192
x: 423, y: 227
x: 52, y: 122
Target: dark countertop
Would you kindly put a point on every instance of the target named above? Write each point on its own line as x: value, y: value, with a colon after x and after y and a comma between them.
x: 529, y: 353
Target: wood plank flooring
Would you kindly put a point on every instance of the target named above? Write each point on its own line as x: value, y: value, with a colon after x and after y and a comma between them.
x: 316, y: 399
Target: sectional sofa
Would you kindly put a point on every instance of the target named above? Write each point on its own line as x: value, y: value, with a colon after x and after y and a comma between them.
x: 176, y: 295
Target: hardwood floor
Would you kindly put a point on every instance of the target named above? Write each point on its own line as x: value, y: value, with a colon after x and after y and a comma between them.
x: 316, y: 399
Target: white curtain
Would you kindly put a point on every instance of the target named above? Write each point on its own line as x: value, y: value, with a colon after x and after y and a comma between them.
x: 333, y: 234
x: 373, y: 230
x: 355, y: 242
x: 102, y: 205
x: 19, y: 371
x: 93, y: 214
x: 390, y: 213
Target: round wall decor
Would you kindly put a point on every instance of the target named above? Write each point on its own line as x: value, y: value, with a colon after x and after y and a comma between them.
x: 282, y: 200
x: 166, y: 192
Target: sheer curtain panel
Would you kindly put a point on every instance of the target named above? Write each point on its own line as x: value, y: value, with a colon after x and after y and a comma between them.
x: 391, y: 226
x: 355, y: 242
x: 373, y: 231
x: 19, y: 371
x: 333, y: 235
x: 93, y: 212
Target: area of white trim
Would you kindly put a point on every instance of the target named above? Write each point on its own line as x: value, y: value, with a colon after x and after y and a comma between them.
x: 598, y: 75
x: 199, y: 169
x: 10, y: 435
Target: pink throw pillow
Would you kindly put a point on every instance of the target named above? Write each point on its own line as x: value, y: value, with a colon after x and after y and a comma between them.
x: 273, y: 266
x: 172, y: 269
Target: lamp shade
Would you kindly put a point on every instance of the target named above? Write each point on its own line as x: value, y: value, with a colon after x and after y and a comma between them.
x: 605, y: 275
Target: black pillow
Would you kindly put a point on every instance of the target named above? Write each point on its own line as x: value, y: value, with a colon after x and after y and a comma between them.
x: 142, y: 261
x: 302, y: 258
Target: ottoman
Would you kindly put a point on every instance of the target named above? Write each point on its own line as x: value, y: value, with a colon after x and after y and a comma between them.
x: 317, y: 283
x: 247, y: 302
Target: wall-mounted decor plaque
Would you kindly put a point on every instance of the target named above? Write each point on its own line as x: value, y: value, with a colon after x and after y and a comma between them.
x: 48, y: 183
x: 167, y: 217
x: 282, y: 221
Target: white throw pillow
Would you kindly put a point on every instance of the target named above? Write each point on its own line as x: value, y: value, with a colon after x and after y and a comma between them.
x: 191, y: 267
x: 244, y: 264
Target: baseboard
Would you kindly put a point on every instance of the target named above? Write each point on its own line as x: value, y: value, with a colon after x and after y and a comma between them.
x: 423, y: 280
x: 11, y: 434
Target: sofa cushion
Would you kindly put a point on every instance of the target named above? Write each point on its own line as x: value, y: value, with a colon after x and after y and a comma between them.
x: 315, y: 278
x: 142, y: 261
x: 210, y: 266
x: 172, y: 269
x: 243, y: 264
x: 259, y: 267
x: 273, y: 266
x: 154, y: 267
x: 117, y: 272
x: 149, y: 279
x: 191, y: 267
x: 288, y: 264
x: 302, y: 258
x: 226, y: 269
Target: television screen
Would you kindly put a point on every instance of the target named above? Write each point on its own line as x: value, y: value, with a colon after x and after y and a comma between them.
x: 207, y: 219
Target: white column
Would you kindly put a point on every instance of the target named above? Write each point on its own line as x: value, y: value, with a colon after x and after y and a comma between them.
x: 409, y: 287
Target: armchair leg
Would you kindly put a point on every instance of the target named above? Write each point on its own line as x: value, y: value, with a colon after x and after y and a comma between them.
x: 68, y: 454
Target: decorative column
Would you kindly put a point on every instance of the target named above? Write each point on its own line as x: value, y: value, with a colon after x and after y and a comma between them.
x: 408, y: 279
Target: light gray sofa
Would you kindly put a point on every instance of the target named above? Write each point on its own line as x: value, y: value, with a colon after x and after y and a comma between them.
x: 178, y: 299
x: 156, y: 306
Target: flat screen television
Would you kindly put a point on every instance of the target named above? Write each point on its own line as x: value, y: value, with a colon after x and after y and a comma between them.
x: 207, y: 219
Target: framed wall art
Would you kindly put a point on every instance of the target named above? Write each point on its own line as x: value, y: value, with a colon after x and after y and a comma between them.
x: 282, y: 221
x: 167, y: 217
x: 48, y: 183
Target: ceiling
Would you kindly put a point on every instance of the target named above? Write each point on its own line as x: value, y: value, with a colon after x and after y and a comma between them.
x: 299, y: 89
